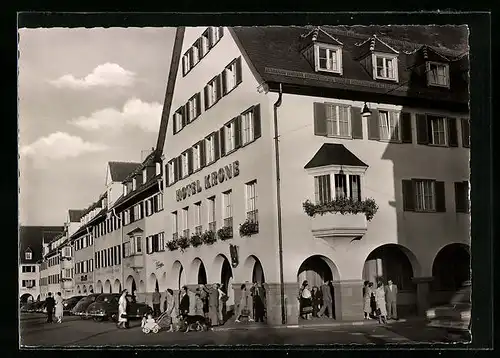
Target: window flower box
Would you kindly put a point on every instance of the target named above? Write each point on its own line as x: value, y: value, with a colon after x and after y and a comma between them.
x: 172, y: 245
x: 225, y: 232
x: 342, y: 206
x: 209, y: 237
x: 248, y: 228
x: 183, y: 242
x: 196, y: 240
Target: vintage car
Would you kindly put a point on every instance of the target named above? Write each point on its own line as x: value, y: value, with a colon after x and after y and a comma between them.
x: 39, y: 306
x: 454, y: 317
x: 28, y: 307
x: 70, y: 303
x: 80, y: 308
x: 106, y: 307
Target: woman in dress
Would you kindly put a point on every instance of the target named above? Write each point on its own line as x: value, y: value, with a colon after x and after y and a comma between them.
x: 171, y: 310
x: 380, y: 302
x: 122, y: 310
x: 244, y: 306
x: 222, y: 303
x: 306, y: 301
x: 59, y: 307
x: 367, y: 294
x: 316, y: 300
x: 213, y: 305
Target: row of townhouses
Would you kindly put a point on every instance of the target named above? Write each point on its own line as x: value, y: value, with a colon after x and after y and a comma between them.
x: 287, y: 154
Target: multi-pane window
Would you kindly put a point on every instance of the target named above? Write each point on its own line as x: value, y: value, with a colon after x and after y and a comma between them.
x: 340, y: 186
x: 138, y: 244
x: 211, y: 213
x: 195, y: 54
x: 158, y: 199
x: 185, y: 221
x: 251, y: 201
x: 355, y: 187
x: 438, y: 131
x: 385, y: 67
x: 171, y: 172
x: 227, y: 203
x: 322, y: 189
x: 178, y: 120
x: 328, y: 59
x: 212, y: 92
x: 215, y: 35
x: 205, y: 43
x: 338, y: 120
x: 389, y: 125
x: 186, y: 62
x: 196, y: 157
x: 28, y: 255
x: 197, y: 217
x: 192, y: 106
x: 425, y: 195
x: 230, y: 76
x: 184, y: 165
x: 210, y: 149
x: 247, y: 127
x: 175, y: 223
x: 229, y: 136
x: 438, y: 74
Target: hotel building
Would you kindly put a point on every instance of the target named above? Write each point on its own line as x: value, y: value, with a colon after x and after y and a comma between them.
x: 319, y: 154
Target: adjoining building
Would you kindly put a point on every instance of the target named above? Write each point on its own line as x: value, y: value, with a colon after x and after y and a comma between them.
x: 31, y: 241
x: 370, y: 181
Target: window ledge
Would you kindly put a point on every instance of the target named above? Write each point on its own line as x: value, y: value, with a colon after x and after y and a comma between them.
x: 386, y: 79
x: 338, y: 136
x: 337, y: 72
x: 438, y: 145
x: 438, y: 85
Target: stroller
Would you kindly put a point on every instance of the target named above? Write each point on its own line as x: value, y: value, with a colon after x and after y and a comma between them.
x: 149, y: 325
x: 164, y: 320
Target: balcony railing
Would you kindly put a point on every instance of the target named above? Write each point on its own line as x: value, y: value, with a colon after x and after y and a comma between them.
x: 228, y: 222
x: 175, y: 236
x: 185, y: 233
x: 198, y: 230
x: 253, y: 216
x: 212, y: 226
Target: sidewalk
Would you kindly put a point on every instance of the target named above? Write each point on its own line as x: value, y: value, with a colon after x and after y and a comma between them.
x: 232, y: 325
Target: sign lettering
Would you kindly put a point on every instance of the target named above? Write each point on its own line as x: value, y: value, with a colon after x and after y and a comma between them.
x: 227, y: 172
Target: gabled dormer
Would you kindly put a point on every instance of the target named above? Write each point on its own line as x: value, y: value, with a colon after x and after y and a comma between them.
x: 28, y: 254
x: 379, y: 59
x: 323, y: 51
x: 437, y: 67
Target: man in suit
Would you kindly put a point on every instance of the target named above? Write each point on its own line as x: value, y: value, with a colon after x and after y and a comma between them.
x: 327, y: 300
x: 49, y: 305
x: 391, y: 295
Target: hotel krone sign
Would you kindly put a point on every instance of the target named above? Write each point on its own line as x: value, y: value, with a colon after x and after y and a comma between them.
x: 225, y: 173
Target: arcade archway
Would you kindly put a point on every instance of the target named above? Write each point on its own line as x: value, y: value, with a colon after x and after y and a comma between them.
x: 197, y: 272
x: 27, y: 298
x: 130, y: 285
x: 451, y: 267
x: 117, y: 286
x: 98, y: 287
x: 254, y: 267
x: 153, y: 283
x: 107, y: 286
x: 316, y: 270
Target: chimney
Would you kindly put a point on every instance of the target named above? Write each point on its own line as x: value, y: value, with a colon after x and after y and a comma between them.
x: 145, y: 153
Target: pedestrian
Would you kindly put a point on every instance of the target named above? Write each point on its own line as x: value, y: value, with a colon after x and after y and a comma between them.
x: 171, y: 310
x: 198, y: 306
x: 326, y: 294
x: 222, y: 300
x: 213, y: 305
x: 306, y: 301
x: 59, y: 307
x: 258, y: 295
x: 380, y: 302
x: 122, y: 310
x: 203, y: 291
x: 49, y: 305
x: 367, y: 299
x: 244, y: 305
x: 184, y: 304
x: 156, y: 302
x: 391, y: 298
x: 316, y: 300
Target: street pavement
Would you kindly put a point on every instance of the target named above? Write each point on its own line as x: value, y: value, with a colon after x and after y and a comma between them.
x: 80, y: 333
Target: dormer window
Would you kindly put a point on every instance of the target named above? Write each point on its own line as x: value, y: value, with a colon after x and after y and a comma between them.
x: 158, y: 169
x: 125, y: 190
x: 385, y: 67
x: 328, y: 58
x: 438, y: 74
x: 144, y: 175
x: 134, y: 184
x: 28, y: 255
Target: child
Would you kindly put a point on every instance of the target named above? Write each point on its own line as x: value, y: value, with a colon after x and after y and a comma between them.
x: 149, y: 324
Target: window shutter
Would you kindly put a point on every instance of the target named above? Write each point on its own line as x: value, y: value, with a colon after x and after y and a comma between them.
x: 224, y: 87
x: 222, y: 141
x: 406, y: 133
x: 123, y: 249
x: 459, y: 197
x: 373, y: 125
x: 452, y: 132
x: 176, y: 169
x: 210, y: 38
x: 149, y: 246
x: 218, y: 86
x: 216, y: 145
x: 221, y: 32
x: 422, y: 129
x: 166, y: 174
x: 238, y: 71
x: 237, y: 132
x: 190, y: 160
x: 408, y: 196
x: 465, y: 133
x: 356, y: 123
x: 319, y: 119
x: 440, y: 197
x: 198, y: 104
x: 184, y: 116
x: 205, y: 97
x: 466, y: 196
x: 174, y: 124
x: 202, y: 153
x: 257, y: 130
x: 119, y: 255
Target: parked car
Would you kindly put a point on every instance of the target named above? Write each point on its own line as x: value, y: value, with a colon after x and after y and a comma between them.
x: 80, y: 308
x: 454, y: 317
x: 70, y: 303
x: 28, y: 307
x: 39, y: 306
x: 106, y: 307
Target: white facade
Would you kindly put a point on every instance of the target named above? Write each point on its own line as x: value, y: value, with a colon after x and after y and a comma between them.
x: 29, y: 281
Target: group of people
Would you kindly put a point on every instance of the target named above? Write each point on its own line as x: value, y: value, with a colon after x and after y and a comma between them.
x: 380, y: 303
x: 252, y: 303
x: 316, y: 302
x: 57, y: 303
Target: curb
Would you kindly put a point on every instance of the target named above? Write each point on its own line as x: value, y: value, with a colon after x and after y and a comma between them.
x: 328, y: 324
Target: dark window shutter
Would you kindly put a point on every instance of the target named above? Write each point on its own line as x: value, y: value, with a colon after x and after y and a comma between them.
x: 179, y: 165
x: 422, y: 129
x: 205, y: 97
x: 176, y: 169
x: 373, y: 125
x: 406, y: 135
x: 123, y: 250
x: 440, y: 197
x: 216, y: 145
x: 174, y: 123
x: 237, y: 132
x: 190, y: 160
x: 238, y: 71
x: 218, y: 86
x: 184, y: 116
x: 466, y: 196
x: 452, y: 132
x: 222, y: 137
x: 198, y: 104
x: 210, y: 38
x: 257, y: 129
x: 166, y: 174
x: 202, y: 153
x: 408, y: 196
x: 148, y: 246
x: 460, y: 197
x: 221, y: 32
x: 465, y: 133
x: 356, y: 123
x: 224, y: 88
x: 319, y: 119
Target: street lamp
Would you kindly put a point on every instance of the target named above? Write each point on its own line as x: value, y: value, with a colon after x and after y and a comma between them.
x: 366, y: 111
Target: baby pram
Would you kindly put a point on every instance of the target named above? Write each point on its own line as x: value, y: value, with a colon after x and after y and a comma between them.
x: 150, y: 326
x: 164, y: 320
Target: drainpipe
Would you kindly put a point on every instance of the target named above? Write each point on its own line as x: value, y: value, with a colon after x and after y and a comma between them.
x: 278, y: 201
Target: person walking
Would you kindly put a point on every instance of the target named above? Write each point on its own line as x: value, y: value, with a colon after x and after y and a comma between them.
x: 213, y: 305
x: 49, y: 305
x: 222, y: 300
x: 171, y: 309
x: 380, y: 302
x: 122, y: 310
x: 258, y: 302
x: 391, y: 297
x: 367, y: 293
x: 59, y: 307
x: 316, y: 300
x: 306, y: 301
x: 156, y: 302
x: 185, y: 302
x: 244, y: 305
x: 326, y: 292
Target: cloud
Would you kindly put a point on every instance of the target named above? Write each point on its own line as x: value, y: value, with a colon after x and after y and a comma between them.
x: 135, y: 113
x: 105, y: 75
x: 59, y: 145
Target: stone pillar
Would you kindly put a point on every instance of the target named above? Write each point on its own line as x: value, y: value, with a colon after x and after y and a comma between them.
x: 348, y: 299
x: 423, y: 297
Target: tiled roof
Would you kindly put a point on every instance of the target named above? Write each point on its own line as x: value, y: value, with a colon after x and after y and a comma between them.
x: 120, y: 170
x: 75, y: 215
x: 334, y: 154
x: 150, y: 159
x: 32, y: 237
x: 276, y: 54
x: 143, y: 187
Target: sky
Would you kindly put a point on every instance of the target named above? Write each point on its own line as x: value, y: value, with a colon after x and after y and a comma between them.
x: 85, y: 97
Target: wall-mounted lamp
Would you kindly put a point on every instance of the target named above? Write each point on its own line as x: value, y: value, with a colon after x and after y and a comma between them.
x: 366, y: 111
x: 341, y: 172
